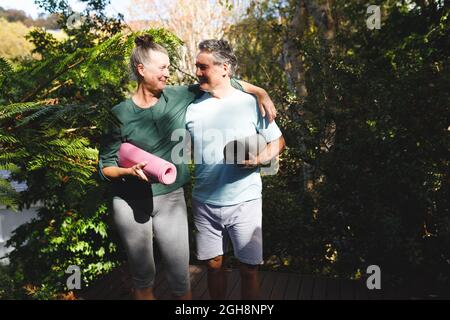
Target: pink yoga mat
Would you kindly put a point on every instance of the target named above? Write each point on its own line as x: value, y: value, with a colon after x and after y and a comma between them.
x: 156, y: 168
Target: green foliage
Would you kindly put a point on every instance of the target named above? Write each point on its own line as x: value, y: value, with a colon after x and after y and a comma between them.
x: 5, y: 70
x: 95, y: 27
x: 9, y: 278
x: 49, y: 245
x: 8, y: 196
x: 258, y: 41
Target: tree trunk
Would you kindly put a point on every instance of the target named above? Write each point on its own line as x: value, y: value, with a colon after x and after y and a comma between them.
x: 293, y: 63
x: 322, y: 16
x: 291, y: 59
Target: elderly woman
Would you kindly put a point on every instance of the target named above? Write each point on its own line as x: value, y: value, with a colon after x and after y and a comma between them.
x: 144, y: 211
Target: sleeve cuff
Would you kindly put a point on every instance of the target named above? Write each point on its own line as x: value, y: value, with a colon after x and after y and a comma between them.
x: 235, y: 83
x: 102, y: 165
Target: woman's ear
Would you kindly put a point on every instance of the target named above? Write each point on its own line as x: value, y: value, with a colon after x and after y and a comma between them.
x: 140, y: 69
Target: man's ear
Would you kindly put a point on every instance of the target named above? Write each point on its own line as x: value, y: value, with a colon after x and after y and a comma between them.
x: 140, y: 68
x: 226, y: 70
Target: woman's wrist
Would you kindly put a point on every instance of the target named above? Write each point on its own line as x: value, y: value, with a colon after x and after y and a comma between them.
x: 261, y: 93
x: 127, y: 171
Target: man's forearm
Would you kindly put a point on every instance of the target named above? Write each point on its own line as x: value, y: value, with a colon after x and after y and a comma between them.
x: 272, y: 149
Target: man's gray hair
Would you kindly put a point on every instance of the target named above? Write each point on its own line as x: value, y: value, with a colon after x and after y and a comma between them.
x: 222, y: 52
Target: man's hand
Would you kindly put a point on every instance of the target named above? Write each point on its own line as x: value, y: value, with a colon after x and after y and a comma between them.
x: 251, y: 163
x: 136, y: 171
x: 272, y: 150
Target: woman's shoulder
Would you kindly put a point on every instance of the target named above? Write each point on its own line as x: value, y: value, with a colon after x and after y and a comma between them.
x: 122, y: 108
x: 185, y: 91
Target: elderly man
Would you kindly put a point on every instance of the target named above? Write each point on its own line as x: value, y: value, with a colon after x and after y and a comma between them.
x: 227, y: 200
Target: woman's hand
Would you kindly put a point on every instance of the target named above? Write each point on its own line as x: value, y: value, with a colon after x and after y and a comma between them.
x: 137, y: 171
x: 266, y: 106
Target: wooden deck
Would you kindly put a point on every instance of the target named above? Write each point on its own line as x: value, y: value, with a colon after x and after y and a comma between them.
x: 274, y: 286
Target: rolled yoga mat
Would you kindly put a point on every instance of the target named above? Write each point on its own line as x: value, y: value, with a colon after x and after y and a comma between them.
x: 156, y: 169
x: 238, y: 150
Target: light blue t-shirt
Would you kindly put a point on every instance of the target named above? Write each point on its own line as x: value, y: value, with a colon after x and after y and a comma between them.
x: 212, y: 123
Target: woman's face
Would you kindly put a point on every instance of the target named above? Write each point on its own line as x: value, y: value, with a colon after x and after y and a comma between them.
x: 156, y: 71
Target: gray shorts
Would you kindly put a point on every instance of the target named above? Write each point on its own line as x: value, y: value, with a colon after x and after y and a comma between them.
x: 240, y: 223
x: 167, y: 225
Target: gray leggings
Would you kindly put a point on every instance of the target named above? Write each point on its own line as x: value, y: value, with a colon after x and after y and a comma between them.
x: 168, y: 225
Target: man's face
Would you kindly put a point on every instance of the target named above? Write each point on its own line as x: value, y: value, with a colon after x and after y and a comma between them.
x: 210, y: 75
x: 156, y: 71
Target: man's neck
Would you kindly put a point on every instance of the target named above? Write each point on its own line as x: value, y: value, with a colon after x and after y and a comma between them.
x: 222, y: 90
x: 146, y: 98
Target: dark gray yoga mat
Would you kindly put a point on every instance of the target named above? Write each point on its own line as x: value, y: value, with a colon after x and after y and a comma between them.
x: 238, y: 150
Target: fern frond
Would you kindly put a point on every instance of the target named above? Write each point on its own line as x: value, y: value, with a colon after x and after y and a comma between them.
x: 14, y: 109
x: 36, y: 115
x: 67, y: 115
x: 11, y: 167
x: 16, y: 157
x: 5, y: 70
x: 7, y: 139
x: 72, y: 147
